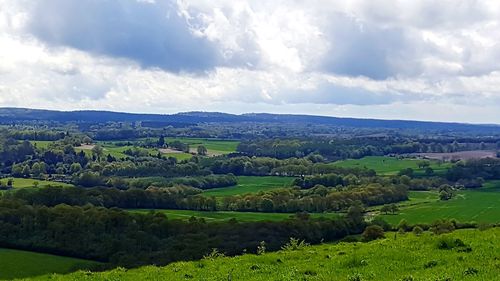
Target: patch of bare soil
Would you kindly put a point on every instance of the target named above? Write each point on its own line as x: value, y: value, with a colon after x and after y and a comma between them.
x: 169, y: 150
x: 461, y: 155
x: 85, y: 146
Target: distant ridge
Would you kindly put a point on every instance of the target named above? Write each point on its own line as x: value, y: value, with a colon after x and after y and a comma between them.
x: 13, y: 115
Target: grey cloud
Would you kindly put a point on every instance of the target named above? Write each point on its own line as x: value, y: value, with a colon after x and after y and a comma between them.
x: 153, y: 34
x: 360, y: 49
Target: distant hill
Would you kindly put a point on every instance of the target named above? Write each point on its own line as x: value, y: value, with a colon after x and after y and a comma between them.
x: 13, y: 115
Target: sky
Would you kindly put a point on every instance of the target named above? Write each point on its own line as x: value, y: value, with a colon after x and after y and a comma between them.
x: 391, y: 59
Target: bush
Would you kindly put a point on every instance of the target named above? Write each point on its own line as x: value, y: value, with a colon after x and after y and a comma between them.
x: 382, y: 223
x: 442, y: 226
x: 373, y: 232
x: 417, y: 230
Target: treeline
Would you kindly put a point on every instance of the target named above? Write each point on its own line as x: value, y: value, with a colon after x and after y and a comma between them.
x: 262, y: 166
x: 334, y: 149
x: 179, y: 197
x: 317, y: 199
x: 127, y: 239
x: 201, y: 182
x: 488, y: 169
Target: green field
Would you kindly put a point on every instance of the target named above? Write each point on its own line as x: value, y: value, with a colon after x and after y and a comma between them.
x: 25, y: 183
x: 179, y: 156
x: 482, y: 205
x: 214, y: 146
x: 406, y: 257
x: 22, y: 264
x: 384, y: 165
x: 250, y: 184
x: 41, y: 144
x: 223, y: 215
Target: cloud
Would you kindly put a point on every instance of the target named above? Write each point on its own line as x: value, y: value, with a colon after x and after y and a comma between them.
x: 149, y: 32
x: 385, y: 59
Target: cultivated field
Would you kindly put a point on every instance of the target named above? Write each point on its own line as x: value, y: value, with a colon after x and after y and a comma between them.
x: 397, y: 257
x: 482, y: 205
x: 384, y: 165
x: 250, y: 184
x: 462, y: 155
x: 224, y: 216
x: 22, y: 264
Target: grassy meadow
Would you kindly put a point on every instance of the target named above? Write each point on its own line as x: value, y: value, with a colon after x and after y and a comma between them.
x: 23, y: 264
x: 214, y: 146
x: 481, y: 205
x: 227, y: 215
x: 384, y: 165
x: 397, y: 257
x: 250, y: 184
x: 27, y: 183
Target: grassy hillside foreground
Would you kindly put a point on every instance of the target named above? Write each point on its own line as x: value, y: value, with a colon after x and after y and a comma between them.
x: 22, y: 264
x: 406, y: 257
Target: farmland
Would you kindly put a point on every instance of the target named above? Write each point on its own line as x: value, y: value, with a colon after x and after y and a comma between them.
x: 384, y: 165
x: 226, y: 215
x: 250, y: 184
x: 214, y: 146
x: 408, y: 257
x: 482, y: 205
x: 26, y: 183
x: 23, y: 264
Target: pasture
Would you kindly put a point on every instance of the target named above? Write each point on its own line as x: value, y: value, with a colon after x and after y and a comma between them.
x: 214, y: 146
x: 227, y: 215
x: 27, y: 183
x: 250, y: 184
x: 481, y: 205
x: 23, y: 264
x: 384, y: 165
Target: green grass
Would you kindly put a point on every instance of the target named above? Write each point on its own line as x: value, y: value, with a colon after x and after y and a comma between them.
x: 22, y: 264
x: 214, y: 146
x: 384, y: 165
x: 224, y: 216
x: 41, y: 144
x: 250, y: 184
x: 482, y: 205
x: 408, y: 257
x: 179, y: 156
x: 26, y: 183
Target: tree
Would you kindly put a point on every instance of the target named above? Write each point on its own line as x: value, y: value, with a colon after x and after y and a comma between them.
x: 161, y: 141
x: 87, y: 140
x: 97, y: 151
x: 17, y: 170
x: 202, y: 150
x: 75, y: 168
x: 373, y: 232
x: 385, y: 209
x: 406, y: 172
x: 394, y: 208
x: 429, y: 171
x: 38, y: 168
x: 26, y: 171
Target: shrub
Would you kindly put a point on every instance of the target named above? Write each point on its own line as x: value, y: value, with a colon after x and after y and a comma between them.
x: 294, y: 244
x: 373, y: 232
x: 448, y: 243
x: 430, y: 264
x: 417, y: 230
x: 442, y: 226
